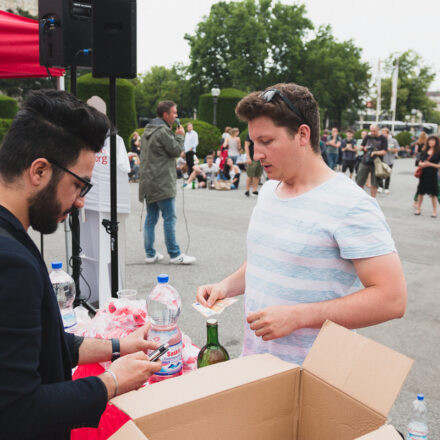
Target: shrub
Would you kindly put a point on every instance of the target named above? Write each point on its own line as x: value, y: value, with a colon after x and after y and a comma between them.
x: 126, y: 120
x: 404, y: 138
x: 4, y: 127
x: 227, y: 101
x: 357, y: 133
x: 8, y: 107
x: 209, y: 136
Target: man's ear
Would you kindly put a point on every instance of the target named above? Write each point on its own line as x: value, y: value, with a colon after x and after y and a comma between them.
x: 304, y: 135
x: 40, y: 172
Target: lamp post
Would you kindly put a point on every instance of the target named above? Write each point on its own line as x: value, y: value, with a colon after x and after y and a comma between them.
x: 215, y: 92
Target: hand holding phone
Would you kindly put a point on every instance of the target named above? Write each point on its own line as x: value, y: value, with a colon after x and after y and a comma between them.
x: 159, y: 352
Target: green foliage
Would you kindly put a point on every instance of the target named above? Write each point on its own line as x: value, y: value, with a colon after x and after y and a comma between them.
x: 227, y: 101
x: 4, y: 127
x: 209, y: 136
x: 413, y: 83
x: 8, y: 107
x: 160, y: 84
x: 252, y: 44
x: 335, y: 74
x: 248, y: 44
x: 404, y: 138
x: 88, y: 86
x: 357, y: 133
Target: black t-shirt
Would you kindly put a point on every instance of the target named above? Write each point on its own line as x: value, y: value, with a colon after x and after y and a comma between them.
x: 348, y: 155
x: 373, y: 144
x: 251, y: 147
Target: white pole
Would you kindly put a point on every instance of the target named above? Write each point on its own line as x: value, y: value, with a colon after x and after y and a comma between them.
x: 393, y: 102
x: 379, y: 92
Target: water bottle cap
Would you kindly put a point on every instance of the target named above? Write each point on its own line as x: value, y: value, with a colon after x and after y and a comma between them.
x: 163, y: 278
x: 57, y: 265
x: 420, y: 397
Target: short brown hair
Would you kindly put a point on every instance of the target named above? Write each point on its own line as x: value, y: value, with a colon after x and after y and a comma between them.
x: 164, y: 107
x: 254, y: 106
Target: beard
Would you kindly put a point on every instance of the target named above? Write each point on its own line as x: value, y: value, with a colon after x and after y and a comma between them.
x: 45, y: 210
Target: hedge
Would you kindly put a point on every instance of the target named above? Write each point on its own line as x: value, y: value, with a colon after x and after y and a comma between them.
x: 4, y: 127
x: 8, y: 107
x: 404, y: 138
x: 243, y: 135
x: 126, y: 120
x: 209, y: 136
x: 227, y: 101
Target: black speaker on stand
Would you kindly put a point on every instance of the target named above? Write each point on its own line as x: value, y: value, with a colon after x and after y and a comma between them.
x: 65, y: 40
x: 114, y: 56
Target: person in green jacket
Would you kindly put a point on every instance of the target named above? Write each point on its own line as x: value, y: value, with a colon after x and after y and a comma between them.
x: 160, y: 147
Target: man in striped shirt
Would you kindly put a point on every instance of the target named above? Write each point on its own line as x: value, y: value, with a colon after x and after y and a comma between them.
x: 318, y: 246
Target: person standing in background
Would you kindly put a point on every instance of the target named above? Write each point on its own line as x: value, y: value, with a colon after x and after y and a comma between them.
x: 160, y: 147
x: 333, y: 146
x: 389, y: 158
x: 190, y: 146
x: 254, y: 168
x: 233, y: 143
x: 349, y: 153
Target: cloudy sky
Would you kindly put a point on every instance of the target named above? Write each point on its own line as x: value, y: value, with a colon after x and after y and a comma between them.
x: 379, y: 27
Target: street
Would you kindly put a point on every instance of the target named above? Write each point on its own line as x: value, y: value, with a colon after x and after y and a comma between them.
x: 215, y: 231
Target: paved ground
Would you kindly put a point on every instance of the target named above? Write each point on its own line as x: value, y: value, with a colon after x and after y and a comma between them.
x: 217, y: 224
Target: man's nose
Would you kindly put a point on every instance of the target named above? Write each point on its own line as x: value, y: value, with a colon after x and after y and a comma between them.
x: 79, y: 202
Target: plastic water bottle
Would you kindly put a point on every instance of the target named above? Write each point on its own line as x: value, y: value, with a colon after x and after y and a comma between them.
x: 64, y: 288
x: 163, y: 306
x: 417, y: 426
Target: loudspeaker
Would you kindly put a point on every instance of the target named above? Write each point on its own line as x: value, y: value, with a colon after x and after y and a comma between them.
x: 114, y: 38
x: 65, y: 28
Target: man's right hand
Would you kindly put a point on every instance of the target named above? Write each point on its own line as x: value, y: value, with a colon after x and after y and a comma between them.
x: 208, y: 294
x: 180, y: 130
x: 131, y: 372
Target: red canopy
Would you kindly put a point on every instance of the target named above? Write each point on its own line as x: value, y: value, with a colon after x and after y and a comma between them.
x: 19, y: 50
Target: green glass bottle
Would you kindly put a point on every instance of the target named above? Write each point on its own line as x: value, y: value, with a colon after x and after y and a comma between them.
x: 212, y: 352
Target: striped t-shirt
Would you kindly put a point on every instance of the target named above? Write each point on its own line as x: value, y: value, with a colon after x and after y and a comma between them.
x: 300, y: 251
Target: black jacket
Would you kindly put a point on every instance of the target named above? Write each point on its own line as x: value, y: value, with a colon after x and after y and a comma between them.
x: 38, y: 399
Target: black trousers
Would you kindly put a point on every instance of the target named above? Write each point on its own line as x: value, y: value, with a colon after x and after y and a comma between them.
x: 189, y: 156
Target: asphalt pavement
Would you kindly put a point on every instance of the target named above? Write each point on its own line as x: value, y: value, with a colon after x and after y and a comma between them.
x: 212, y: 226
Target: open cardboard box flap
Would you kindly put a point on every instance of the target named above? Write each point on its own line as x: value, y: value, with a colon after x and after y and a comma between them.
x: 358, y: 366
x: 129, y: 431
x: 384, y: 433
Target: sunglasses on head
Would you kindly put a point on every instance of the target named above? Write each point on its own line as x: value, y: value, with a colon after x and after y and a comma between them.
x: 268, y: 96
x: 87, y: 185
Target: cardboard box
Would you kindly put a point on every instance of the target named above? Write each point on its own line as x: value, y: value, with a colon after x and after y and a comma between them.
x: 343, y: 391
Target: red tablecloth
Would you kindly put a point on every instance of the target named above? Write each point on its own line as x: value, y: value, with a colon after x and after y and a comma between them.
x: 112, y: 418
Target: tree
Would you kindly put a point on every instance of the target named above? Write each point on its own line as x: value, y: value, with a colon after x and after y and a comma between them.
x: 248, y: 45
x: 414, y: 80
x: 252, y: 44
x: 335, y: 74
x: 161, y: 83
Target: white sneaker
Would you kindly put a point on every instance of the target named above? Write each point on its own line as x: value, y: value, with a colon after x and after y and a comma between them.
x: 379, y: 189
x: 182, y: 259
x: 387, y: 191
x: 151, y: 260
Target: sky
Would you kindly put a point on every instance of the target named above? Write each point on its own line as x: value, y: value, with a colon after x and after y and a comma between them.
x: 379, y: 27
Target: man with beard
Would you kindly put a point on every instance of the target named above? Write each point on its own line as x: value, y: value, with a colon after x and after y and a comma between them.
x: 46, y: 162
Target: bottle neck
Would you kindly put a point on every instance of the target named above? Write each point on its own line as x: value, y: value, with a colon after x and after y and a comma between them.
x: 212, y: 334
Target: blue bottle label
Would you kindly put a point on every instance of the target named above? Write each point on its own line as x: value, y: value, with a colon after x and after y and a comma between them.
x: 171, y: 360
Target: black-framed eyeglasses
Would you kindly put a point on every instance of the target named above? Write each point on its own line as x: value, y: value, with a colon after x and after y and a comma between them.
x: 87, y: 185
x: 268, y: 96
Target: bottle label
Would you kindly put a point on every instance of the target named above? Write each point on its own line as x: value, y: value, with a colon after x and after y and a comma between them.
x: 416, y: 434
x: 171, y: 360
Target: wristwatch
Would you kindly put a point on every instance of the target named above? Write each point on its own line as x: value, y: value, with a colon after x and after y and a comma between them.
x: 116, y: 350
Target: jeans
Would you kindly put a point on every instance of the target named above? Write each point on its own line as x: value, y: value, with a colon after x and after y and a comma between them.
x: 332, y: 160
x: 168, y: 209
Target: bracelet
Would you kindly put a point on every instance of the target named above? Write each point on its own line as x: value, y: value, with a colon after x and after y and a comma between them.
x: 115, y: 380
